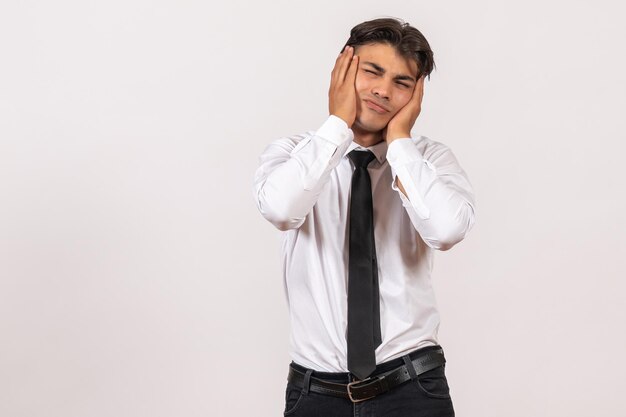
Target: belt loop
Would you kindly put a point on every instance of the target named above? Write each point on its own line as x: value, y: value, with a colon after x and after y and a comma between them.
x: 307, y: 381
x: 410, y: 367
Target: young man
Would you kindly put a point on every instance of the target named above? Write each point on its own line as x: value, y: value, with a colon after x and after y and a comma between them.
x: 362, y: 206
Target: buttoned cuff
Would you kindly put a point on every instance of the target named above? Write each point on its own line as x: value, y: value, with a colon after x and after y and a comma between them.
x: 403, y: 157
x: 402, y: 152
x: 335, y: 130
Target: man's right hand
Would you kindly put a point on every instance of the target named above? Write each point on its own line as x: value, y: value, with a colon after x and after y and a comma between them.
x: 342, y: 93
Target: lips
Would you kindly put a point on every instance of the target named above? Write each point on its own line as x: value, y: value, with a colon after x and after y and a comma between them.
x: 376, y: 107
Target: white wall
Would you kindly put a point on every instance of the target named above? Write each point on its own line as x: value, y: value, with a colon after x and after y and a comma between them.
x: 138, y: 279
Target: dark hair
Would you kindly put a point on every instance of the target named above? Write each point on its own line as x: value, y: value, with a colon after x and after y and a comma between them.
x: 408, y: 41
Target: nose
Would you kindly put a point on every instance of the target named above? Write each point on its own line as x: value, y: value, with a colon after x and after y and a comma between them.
x: 381, y: 89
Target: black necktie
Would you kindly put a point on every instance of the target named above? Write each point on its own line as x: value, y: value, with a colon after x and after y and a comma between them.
x: 363, y: 297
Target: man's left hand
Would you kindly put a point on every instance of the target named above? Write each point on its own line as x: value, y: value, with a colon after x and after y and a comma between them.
x: 401, y: 124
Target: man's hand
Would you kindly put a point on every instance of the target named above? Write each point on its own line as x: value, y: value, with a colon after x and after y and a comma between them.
x: 401, y: 124
x: 342, y: 93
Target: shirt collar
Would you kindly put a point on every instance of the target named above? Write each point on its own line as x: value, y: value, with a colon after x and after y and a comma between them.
x: 379, y: 150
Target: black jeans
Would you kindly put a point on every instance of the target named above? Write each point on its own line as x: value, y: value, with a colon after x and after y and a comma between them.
x: 426, y: 396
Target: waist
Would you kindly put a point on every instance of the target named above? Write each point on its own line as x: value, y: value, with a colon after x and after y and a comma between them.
x: 324, y: 348
x: 344, y: 377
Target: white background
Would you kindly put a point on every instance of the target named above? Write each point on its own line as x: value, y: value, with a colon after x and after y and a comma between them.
x: 137, y: 277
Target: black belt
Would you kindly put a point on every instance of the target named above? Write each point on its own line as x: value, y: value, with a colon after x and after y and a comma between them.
x: 374, y: 385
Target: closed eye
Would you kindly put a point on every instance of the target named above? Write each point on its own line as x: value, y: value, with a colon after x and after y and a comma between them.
x: 375, y: 73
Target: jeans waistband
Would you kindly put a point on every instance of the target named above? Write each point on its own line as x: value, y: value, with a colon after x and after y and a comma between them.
x: 344, y: 377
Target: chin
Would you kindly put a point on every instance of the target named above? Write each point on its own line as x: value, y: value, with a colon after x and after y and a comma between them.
x: 370, y: 125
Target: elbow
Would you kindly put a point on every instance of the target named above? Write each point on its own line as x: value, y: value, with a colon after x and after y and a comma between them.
x: 453, y: 232
x: 285, y: 224
x: 280, y: 215
x: 443, y: 244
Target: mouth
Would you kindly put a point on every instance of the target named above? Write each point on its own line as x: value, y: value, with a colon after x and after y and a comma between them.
x: 376, y: 107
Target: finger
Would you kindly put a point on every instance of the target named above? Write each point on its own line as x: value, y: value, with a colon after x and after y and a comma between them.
x: 421, y: 90
x: 345, y: 64
x: 351, y: 74
x: 337, y: 69
x: 333, y: 73
x: 418, y: 93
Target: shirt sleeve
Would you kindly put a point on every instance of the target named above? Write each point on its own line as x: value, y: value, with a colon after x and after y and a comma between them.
x: 293, y: 171
x: 440, y: 200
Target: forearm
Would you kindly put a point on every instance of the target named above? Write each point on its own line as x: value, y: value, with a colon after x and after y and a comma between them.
x: 289, y: 181
x: 437, y: 195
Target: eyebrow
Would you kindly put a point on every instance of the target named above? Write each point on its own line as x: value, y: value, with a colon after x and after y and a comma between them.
x: 397, y: 77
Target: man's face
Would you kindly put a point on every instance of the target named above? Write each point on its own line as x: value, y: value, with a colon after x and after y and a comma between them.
x: 383, y: 78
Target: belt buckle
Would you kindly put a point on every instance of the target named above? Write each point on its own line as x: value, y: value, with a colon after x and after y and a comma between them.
x: 364, y: 381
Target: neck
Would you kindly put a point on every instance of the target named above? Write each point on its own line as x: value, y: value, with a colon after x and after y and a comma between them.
x: 366, y: 139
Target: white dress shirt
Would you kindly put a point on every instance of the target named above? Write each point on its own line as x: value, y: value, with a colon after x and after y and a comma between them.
x: 302, y: 186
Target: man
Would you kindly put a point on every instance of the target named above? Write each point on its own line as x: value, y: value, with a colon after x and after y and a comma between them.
x: 362, y: 206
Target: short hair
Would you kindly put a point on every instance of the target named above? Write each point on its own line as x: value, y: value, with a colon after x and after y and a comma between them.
x: 407, y: 40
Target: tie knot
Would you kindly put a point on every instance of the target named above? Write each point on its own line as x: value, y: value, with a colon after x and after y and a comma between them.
x: 361, y: 159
